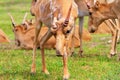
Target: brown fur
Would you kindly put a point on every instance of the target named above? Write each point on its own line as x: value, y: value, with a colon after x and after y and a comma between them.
x: 26, y: 39
x: 103, y: 28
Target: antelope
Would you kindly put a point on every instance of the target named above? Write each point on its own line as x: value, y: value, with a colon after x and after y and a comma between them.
x: 23, y: 37
x: 101, y: 12
x: 82, y: 12
x: 60, y: 18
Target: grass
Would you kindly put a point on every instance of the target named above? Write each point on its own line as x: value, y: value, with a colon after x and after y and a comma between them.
x: 15, y: 64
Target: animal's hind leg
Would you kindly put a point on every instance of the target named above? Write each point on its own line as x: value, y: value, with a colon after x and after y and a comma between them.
x: 42, y: 42
x: 81, y: 19
x: 37, y: 31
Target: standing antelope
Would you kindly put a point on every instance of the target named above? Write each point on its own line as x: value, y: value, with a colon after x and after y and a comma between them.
x: 82, y: 12
x: 59, y: 16
x: 101, y: 12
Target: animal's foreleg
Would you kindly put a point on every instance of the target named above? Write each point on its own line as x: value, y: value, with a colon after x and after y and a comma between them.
x: 111, y: 27
x: 114, y: 31
x: 65, y: 68
x: 81, y: 20
x: 118, y: 37
x: 42, y: 42
x: 72, y: 45
x: 37, y: 30
x: 114, y: 42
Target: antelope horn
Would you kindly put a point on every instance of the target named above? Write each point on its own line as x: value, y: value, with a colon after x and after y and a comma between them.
x: 68, y: 17
x: 25, y: 17
x: 12, y: 19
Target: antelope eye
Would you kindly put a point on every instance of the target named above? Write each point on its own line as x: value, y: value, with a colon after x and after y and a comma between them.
x: 16, y: 29
x: 90, y: 13
x: 68, y: 31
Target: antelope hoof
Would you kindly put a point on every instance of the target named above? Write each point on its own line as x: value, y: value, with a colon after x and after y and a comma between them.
x: 46, y: 72
x: 66, y: 77
x: 111, y: 55
x: 80, y: 53
x: 33, y: 69
x: 32, y: 73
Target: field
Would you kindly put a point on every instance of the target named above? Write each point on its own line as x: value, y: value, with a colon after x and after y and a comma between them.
x: 15, y: 64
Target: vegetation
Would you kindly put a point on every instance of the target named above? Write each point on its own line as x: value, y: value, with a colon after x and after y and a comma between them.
x: 15, y: 64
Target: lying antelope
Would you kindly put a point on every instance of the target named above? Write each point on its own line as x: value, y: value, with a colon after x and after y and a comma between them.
x: 101, y: 12
x: 23, y: 37
x: 59, y: 16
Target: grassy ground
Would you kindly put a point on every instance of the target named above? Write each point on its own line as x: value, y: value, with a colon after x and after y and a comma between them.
x: 15, y: 64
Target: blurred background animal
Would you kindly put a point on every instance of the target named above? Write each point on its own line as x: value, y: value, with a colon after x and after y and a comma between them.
x: 82, y: 12
x: 25, y: 32
x: 101, y: 12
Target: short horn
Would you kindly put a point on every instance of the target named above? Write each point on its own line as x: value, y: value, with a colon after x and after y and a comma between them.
x: 12, y: 19
x: 25, y: 17
x: 68, y: 17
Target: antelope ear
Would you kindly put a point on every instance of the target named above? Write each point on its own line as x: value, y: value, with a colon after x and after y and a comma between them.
x: 31, y: 22
x: 26, y: 26
x: 97, y: 4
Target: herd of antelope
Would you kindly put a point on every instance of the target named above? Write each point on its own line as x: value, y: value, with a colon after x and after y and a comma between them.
x: 60, y: 31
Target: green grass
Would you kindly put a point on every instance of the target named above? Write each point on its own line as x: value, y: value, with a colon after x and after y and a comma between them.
x: 15, y: 64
